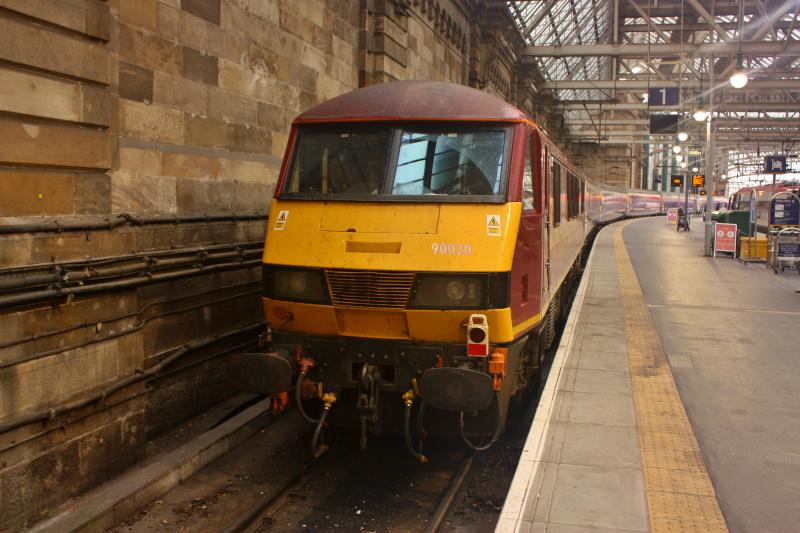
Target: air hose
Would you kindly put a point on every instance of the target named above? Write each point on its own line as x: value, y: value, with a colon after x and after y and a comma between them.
x: 408, y: 400
x: 496, y: 430
x: 318, y: 447
x: 299, y: 401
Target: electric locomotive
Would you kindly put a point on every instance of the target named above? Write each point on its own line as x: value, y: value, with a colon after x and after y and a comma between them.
x: 418, y: 243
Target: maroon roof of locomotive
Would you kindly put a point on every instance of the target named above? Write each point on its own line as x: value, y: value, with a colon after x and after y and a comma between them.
x: 413, y: 101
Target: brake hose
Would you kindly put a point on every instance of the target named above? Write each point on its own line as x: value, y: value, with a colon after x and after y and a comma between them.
x: 318, y: 447
x: 408, y: 399
x: 496, y: 431
x: 299, y: 401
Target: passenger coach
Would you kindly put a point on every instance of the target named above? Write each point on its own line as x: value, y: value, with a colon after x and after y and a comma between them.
x: 418, y: 242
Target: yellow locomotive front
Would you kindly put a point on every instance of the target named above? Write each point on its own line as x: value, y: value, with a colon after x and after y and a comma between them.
x: 387, y: 268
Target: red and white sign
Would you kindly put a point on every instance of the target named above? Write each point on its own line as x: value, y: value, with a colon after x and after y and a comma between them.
x: 725, y: 237
x: 672, y: 215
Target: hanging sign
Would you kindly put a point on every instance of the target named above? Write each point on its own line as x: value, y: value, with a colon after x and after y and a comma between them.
x: 677, y: 180
x: 663, y: 96
x: 698, y: 180
x: 774, y: 164
x: 724, y: 238
x: 784, y: 210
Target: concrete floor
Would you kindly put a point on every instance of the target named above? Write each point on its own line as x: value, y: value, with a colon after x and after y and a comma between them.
x: 732, y: 334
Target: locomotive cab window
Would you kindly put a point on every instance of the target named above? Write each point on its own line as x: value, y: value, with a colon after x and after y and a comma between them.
x: 457, y: 163
x: 454, y: 162
x: 340, y: 162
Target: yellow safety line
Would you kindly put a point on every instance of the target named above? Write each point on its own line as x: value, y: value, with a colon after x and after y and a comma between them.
x: 680, y: 496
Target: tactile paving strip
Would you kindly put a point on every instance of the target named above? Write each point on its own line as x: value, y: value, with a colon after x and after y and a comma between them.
x: 680, y: 496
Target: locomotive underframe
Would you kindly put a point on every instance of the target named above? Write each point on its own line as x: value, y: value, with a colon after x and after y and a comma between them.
x: 339, y: 366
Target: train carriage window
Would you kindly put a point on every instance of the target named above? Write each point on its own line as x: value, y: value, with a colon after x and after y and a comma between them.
x: 527, y: 179
x: 583, y: 197
x: 556, y: 193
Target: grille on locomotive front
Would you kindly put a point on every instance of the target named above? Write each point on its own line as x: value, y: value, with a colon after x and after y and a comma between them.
x: 367, y: 288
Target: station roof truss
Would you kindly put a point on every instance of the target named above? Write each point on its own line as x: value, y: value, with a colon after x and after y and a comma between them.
x: 599, y: 58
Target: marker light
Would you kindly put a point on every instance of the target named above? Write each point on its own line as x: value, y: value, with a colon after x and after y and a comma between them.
x: 478, y: 336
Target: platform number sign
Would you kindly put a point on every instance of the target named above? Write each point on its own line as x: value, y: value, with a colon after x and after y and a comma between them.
x: 663, y: 96
x: 774, y: 164
x: 676, y: 180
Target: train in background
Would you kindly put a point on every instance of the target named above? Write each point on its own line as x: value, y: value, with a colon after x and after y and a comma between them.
x: 421, y: 244
x: 741, y: 199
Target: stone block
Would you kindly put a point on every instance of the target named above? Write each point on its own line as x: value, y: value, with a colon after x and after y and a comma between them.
x: 273, y: 117
x: 202, y: 196
x: 194, y: 31
x: 143, y: 195
x: 28, y: 94
x: 303, y: 77
x: 59, y: 146
x: 35, y: 193
x: 244, y: 138
x: 150, y: 122
x: 268, y: 11
x: 96, y: 106
x: 135, y: 82
x: 27, y: 44
x: 168, y: 19
x: 139, y: 13
x: 249, y: 171
x: 205, y: 131
x: 200, y: 67
x: 139, y: 161
x: 92, y: 194
x: 253, y: 196
x: 205, y: 9
x: 73, y: 245
x: 98, y: 19
x: 15, y: 250
x: 37, y: 483
x: 279, y: 143
x: 149, y: 50
x: 71, y: 14
x: 231, y: 107
x: 179, y: 93
x: 183, y: 165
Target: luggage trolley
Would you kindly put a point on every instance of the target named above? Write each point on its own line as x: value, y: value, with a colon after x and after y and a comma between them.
x: 786, y: 249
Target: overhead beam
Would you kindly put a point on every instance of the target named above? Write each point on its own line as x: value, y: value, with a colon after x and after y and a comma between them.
x: 749, y: 48
x: 719, y: 108
x: 708, y: 18
x: 776, y: 123
x: 692, y: 26
x: 752, y: 85
x: 768, y: 23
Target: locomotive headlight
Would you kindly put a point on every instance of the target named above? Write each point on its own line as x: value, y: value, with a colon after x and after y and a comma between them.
x: 456, y: 290
x: 295, y: 284
x: 450, y: 291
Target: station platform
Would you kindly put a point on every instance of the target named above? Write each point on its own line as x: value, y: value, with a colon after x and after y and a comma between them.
x: 672, y: 402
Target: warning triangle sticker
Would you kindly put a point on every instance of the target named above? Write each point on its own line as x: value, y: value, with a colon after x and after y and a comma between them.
x: 493, y: 225
x: 282, y: 216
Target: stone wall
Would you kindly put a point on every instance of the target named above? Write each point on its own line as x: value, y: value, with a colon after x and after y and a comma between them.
x: 163, y: 110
